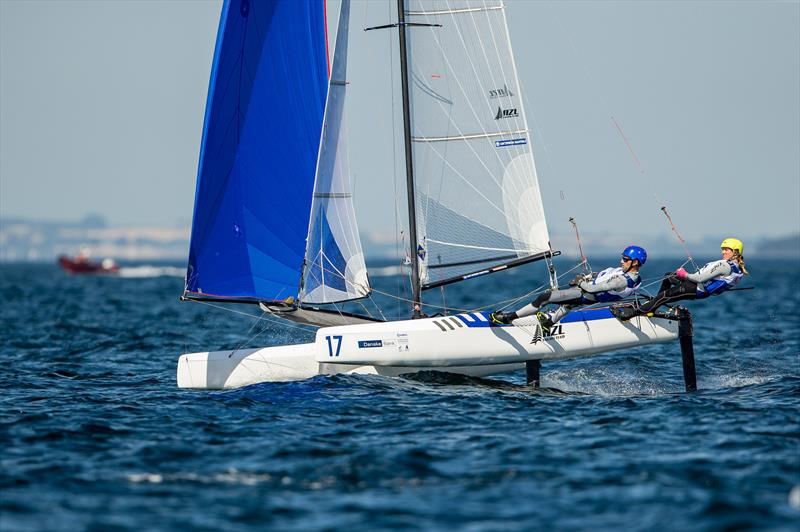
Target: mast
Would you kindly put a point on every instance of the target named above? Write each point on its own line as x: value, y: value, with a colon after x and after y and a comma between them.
x: 412, y: 213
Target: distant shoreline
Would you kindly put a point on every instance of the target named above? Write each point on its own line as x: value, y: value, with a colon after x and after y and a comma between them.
x: 32, y: 241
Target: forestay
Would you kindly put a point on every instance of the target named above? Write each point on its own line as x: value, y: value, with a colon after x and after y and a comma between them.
x: 477, y: 195
x: 334, y: 264
x: 261, y: 137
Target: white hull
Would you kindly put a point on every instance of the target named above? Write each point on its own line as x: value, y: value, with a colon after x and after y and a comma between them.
x: 217, y: 370
x: 466, y: 343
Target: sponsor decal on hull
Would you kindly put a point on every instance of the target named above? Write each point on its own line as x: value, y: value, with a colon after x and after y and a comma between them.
x: 363, y: 344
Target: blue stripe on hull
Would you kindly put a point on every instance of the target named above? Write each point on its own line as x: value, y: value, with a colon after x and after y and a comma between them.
x: 481, y: 319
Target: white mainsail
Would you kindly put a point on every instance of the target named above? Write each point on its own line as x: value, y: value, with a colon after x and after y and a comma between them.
x: 334, y: 263
x: 477, y: 195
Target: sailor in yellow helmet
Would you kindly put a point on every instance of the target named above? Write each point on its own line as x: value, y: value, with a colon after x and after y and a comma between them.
x: 712, y: 279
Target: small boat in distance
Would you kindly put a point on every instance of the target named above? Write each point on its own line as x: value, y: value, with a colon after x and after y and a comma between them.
x: 83, y: 264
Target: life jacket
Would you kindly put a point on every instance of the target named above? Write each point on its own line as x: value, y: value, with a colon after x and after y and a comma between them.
x: 633, y: 281
x: 720, y: 283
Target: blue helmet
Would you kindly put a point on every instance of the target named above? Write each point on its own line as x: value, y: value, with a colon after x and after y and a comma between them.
x: 636, y: 252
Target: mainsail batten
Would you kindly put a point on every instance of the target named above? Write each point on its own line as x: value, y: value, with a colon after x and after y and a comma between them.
x: 454, y: 11
x: 258, y: 153
x: 470, y: 136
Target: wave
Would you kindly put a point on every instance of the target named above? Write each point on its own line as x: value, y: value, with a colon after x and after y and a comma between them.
x: 140, y: 272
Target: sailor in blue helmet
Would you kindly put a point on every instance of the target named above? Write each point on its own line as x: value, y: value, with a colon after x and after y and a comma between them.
x: 611, y: 284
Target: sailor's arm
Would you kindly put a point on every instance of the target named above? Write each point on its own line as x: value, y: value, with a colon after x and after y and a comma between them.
x: 615, y: 282
x: 710, y: 270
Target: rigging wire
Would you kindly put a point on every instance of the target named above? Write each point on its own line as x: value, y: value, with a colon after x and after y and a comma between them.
x: 258, y: 319
x: 304, y: 328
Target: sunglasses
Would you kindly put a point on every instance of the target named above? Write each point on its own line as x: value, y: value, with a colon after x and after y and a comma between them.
x: 626, y: 259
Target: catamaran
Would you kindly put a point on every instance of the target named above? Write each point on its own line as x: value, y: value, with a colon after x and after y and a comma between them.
x: 274, y: 221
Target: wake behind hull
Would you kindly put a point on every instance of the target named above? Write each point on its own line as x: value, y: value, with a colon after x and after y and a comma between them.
x: 466, y: 344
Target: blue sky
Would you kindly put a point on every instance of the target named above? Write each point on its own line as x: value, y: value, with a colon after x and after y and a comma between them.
x: 101, y: 109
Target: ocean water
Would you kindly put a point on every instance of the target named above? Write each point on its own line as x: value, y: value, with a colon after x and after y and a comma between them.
x: 94, y: 434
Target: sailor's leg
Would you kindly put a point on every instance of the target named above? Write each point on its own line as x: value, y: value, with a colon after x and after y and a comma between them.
x: 559, y: 313
x: 549, y: 296
x: 669, y: 281
x: 679, y: 290
x: 527, y: 310
x: 569, y: 299
x: 567, y: 296
x: 533, y: 307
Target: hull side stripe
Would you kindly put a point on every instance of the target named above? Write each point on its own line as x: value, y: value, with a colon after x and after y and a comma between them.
x: 481, y: 318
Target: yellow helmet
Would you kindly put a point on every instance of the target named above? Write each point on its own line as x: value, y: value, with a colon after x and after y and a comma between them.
x: 733, y: 243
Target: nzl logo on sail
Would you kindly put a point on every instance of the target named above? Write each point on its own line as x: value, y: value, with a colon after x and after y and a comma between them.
x: 506, y: 113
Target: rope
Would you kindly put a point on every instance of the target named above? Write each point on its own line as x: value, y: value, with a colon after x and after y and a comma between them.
x: 628, y: 144
x: 584, y: 261
x: 680, y: 238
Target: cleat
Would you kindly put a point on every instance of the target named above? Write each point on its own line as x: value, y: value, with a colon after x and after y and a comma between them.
x: 502, y: 318
x: 544, y: 321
